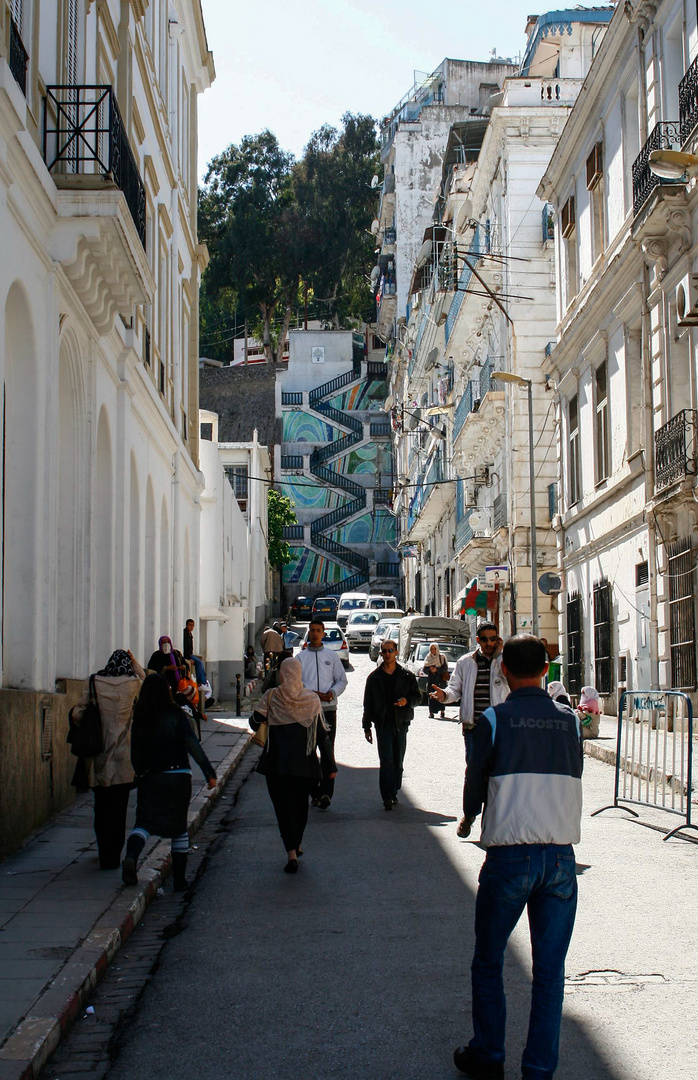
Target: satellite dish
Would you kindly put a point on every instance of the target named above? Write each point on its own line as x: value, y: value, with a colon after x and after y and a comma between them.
x: 388, y: 403
x: 464, y: 215
x: 412, y: 418
x: 375, y: 182
x: 375, y: 226
x: 478, y: 520
x: 431, y: 359
x: 438, y: 312
x: 549, y: 583
x: 423, y: 254
x: 375, y: 274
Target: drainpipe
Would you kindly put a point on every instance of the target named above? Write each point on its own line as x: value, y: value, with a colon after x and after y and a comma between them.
x: 647, y: 412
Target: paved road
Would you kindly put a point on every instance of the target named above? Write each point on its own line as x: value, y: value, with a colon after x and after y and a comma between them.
x: 359, y: 965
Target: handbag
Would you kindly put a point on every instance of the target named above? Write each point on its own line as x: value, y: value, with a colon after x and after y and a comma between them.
x: 262, y: 733
x: 85, y: 736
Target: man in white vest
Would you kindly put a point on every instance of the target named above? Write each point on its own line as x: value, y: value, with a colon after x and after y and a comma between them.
x: 323, y: 672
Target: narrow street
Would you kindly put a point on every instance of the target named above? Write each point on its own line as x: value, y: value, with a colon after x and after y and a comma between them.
x: 359, y: 966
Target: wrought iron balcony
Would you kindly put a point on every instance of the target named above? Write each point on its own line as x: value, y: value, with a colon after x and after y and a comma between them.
x: 294, y: 398
x: 84, y: 136
x: 688, y: 101
x: 19, y: 57
x: 675, y: 449
x: 293, y: 532
x: 499, y: 512
x: 387, y: 569
x: 380, y: 431
x: 292, y: 461
x: 666, y: 135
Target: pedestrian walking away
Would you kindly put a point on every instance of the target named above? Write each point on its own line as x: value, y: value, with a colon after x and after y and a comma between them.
x: 477, y: 681
x: 272, y: 643
x: 323, y: 672
x: 110, y: 774
x: 436, y: 670
x: 390, y: 697
x: 162, y: 739
x: 525, y: 767
x: 289, y: 761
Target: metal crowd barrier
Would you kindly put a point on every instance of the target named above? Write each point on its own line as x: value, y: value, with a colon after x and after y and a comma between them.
x: 654, y: 754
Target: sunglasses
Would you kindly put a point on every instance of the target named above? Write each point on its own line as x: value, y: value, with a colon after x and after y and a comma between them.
x: 387, y: 652
x: 487, y: 640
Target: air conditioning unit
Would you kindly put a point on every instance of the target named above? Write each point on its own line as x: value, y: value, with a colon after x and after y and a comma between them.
x: 687, y: 300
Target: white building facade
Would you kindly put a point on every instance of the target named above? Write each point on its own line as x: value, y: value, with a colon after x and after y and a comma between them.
x: 483, y: 301
x: 625, y: 360
x: 98, y: 355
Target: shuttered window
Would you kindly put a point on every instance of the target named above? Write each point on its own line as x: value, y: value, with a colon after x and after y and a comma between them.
x: 575, y: 663
x: 603, y: 637
x: 682, y: 625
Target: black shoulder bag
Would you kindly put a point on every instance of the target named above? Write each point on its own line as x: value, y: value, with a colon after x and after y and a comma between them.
x: 85, y: 734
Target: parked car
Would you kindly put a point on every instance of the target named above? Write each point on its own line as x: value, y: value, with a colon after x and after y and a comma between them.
x: 430, y: 628
x: 418, y: 654
x: 381, y: 603
x: 348, y: 602
x: 388, y: 619
x: 333, y: 639
x: 325, y: 607
x: 301, y: 609
x: 360, y: 627
x: 393, y: 634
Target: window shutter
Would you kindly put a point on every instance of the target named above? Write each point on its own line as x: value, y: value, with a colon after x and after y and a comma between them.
x: 568, y: 217
x: 595, y: 166
x: 16, y: 12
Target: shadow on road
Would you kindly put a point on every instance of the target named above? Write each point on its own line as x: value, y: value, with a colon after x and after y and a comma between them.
x: 358, y: 967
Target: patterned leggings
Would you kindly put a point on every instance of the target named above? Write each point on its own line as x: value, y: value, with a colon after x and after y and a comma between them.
x: 177, y: 844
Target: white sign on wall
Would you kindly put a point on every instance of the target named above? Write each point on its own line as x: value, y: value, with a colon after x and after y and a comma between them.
x: 484, y: 585
x: 317, y: 354
x: 498, y: 575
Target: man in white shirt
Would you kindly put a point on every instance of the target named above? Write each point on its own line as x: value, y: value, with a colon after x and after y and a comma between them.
x: 323, y: 672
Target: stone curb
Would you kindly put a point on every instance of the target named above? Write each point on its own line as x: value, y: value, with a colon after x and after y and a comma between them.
x: 33, y: 1042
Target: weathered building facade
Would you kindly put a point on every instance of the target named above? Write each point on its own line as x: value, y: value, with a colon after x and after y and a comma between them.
x: 98, y: 357
x: 625, y: 364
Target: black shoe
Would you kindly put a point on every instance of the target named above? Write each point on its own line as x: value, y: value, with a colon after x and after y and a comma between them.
x: 324, y: 802
x: 314, y: 802
x: 388, y: 804
x: 466, y: 1061
x: 128, y: 871
x: 291, y: 867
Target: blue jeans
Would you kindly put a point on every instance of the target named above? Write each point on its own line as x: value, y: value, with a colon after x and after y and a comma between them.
x: 542, y: 878
x: 200, y: 671
x: 392, y: 743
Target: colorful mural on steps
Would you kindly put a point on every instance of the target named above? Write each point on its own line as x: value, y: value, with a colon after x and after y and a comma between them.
x: 311, y: 568
x: 306, y: 427
x: 369, y: 395
x: 367, y: 529
x: 306, y: 496
x: 370, y: 458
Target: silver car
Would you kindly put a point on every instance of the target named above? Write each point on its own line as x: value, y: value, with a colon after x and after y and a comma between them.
x: 360, y: 627
x: 334, y: 639
x: 386, y: 624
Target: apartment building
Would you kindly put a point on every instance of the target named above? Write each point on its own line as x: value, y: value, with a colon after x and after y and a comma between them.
x: 624, y: 364
x: 482, y: 304
x: 98, y: 354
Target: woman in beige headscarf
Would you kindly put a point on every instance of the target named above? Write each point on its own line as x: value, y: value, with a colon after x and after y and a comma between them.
x: 289, y: 760
x: 436, y: 670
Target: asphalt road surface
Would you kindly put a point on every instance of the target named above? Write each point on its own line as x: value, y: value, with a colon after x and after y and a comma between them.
x: 358, y: 967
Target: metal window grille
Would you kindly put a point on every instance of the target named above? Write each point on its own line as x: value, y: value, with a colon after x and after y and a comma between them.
x: 574, y: 479
x: 642, y: 574
x: 575, y: 662
x: 682, y: 624
x: 603, y: 637
x: 237, y: 474
x: 623, y: 669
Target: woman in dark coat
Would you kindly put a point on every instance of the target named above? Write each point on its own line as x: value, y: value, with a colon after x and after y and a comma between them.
x: 161, y: 741
x: 436, y: 670
x: 164, y: 662
x: 289, y: 760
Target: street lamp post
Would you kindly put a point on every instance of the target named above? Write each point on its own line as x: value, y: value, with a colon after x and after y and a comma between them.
x: 518, y: 380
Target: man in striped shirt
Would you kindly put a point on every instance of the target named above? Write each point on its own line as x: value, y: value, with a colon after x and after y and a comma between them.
x: 478, y: 682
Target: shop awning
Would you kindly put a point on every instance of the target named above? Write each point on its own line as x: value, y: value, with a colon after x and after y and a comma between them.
x: 474, y: 601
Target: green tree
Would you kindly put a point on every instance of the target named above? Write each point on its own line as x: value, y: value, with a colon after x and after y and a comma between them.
x: 280, y: 513
x: 333, y: 188
x: 250, y: 219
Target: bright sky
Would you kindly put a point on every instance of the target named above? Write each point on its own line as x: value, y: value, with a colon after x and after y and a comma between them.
x: 292, y: 65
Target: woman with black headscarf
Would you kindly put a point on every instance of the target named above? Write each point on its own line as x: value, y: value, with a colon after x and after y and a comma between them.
x: 110, y: 774
x: 164, y: 661
x: 162, y: 740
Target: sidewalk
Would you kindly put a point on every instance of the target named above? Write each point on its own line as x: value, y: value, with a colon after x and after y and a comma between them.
x: 62, y: 919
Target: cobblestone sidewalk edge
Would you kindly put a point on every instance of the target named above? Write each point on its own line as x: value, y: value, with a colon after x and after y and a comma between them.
x: 36, y: 1038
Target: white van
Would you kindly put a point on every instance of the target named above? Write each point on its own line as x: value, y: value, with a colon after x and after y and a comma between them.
x: 348, y: 602
x: 381, y: 603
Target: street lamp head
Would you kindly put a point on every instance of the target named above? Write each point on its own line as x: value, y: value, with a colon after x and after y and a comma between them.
x: 673, y: 165
x: 508, y: 376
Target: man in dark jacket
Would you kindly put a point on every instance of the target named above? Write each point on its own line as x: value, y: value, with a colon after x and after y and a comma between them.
x: 525, y: 768
x: 389, y: 699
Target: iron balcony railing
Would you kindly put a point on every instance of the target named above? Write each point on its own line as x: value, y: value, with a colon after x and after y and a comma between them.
x: 85, y: 135
x: 291, y: 461
x: 293, y: 532
x: 338, y: 416
x: 376, y: 368
x: 666, y: 135
x: 380, y: 431
x: 332, y: 547
x: 463, y: 407
x: 675, y: 448
x: 464, y: 533
x: 339, y: 446
x: 486, y: 378
x: 480, y: 244
x: 688, y: 101
x: 388, y: 569
x: 19, y: 58
x: 333, y: 385
x: 291, y: 398
x: 382, y: 495
x: 351, y: 583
